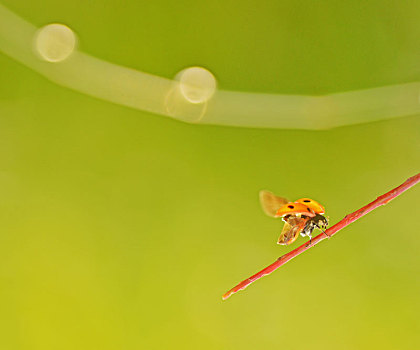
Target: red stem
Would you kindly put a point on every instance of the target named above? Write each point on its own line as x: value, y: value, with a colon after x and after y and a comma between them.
x: 382, y: 200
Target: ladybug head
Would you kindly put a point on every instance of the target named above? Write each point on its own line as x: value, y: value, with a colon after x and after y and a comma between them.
x: 320, y: 221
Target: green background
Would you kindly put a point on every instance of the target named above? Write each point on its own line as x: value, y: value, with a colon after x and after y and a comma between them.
x: 121, y: 229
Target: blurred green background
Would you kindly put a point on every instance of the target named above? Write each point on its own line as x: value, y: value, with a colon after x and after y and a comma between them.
x: 121, y: 229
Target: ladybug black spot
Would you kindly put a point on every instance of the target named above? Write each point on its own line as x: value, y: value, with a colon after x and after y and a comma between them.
x: 308, y: 209
x: 291, y: 206
x: 307, y: 201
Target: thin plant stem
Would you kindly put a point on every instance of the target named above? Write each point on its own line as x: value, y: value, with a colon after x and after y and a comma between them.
x: 348, y: 219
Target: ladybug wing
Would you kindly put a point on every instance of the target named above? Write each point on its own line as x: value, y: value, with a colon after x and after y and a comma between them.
x: 292, y: 227
x: 270, y: 203
x: 313, y: 205
x: 294, y: 209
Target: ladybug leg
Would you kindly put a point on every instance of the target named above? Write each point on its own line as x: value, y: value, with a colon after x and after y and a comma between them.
x: 310, y: 241
x: 326, y: 234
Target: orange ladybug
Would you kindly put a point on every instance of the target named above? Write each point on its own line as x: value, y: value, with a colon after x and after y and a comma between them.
x: 300, y: 217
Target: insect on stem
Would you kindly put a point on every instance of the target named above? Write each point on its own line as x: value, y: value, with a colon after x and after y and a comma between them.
x: 348, y: 219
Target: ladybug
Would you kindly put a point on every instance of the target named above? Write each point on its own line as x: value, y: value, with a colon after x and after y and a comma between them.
x: 300, y: 217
